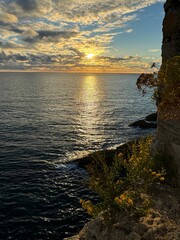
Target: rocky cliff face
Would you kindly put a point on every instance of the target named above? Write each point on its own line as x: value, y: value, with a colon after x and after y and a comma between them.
x: 171, y: 30
x: 168, y: 132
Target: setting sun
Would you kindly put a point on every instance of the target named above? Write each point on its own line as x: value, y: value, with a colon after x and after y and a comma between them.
x: 89, y: 56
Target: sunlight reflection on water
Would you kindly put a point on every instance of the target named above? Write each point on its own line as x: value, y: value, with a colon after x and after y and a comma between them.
x: 90, y: 113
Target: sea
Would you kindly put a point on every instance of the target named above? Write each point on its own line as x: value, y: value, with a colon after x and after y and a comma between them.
x: 47, y: 120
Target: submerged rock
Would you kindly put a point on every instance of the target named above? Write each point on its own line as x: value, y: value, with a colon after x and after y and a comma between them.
x: 143, y: 124
x: 149, y: 122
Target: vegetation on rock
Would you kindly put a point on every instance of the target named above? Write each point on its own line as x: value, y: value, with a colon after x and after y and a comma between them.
x: 123, y: 184
x: 166, y: 88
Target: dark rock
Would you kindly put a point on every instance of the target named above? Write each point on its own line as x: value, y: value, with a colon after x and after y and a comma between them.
x: 140, y: 228
x: 171, y: 27
x: 152, y: 117
x: 133, y: 236
x: 143, y: 124
x: 109, y: 155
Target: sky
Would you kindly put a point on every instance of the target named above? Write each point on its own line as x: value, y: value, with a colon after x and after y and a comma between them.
x: 121, y: 36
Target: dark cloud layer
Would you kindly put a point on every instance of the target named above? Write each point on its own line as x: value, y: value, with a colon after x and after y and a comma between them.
x: 27, y: 5
x: 24, y: 60
x: 51, y: 36
x: 116, y: 59
x: 64, y: 34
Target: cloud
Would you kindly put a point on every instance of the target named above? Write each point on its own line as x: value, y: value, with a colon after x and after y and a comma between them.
x: 24, y: 60
x: 115, y: 59
x: 48, y: 36
x: 7, y: 18
x: 29, y: 33
x: 32, y: 8
x: 27, y: 5
x: 82, y: 11
x: 87, y: 12
x: 11, y: 59
x: 129, y: 30
x: 8, y: 45
x: 120, y: 22
x: 153, y: 50
x: 63, y: 34
x: 77, y: 52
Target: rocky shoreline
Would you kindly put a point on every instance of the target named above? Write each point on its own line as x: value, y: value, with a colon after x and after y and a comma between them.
x: 162, y: 221
x: 124, y: 148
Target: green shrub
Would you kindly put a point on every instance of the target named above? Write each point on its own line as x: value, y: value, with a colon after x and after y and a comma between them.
x: 123, y: 184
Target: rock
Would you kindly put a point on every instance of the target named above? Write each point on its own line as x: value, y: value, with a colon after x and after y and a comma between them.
x: 140, y: 228
x: 108, y: 154
x: 172, y: 236
x: 143, y: 124
x: 155, y: 233
x: 149, y: 235
x: 149, y: 221
x: 149, y: 122
x: 161, y: 223
x: 155, y: 215
x: 76, y: 237
x: 119, y: 226
x: 84, y: 161
x: 133, y: 236
x: 171, y: 26
x: 93, y: 230
x: 152, y: 117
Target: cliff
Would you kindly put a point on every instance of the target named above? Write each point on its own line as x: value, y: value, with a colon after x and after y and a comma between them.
x: 161, y: 223
x: 168, y: 131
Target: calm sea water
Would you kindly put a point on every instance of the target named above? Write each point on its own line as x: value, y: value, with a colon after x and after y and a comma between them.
x: 46, y: 121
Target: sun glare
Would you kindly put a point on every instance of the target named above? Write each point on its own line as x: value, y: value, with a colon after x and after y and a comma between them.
x: 89, y: 56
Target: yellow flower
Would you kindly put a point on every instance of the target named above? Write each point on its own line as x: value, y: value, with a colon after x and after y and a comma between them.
x: 162, y: 179
x: 123, y: 197
x: 158, y: 175
x: 120, y: 155
x: 130, y: 201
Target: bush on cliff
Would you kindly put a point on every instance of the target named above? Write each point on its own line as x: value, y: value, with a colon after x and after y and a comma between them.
x: 123, y: 185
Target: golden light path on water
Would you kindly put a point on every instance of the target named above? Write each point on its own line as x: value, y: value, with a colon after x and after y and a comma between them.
x: 90, y: 113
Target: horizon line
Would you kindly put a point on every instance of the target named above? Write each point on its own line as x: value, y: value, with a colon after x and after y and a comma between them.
x: 83, y: 72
